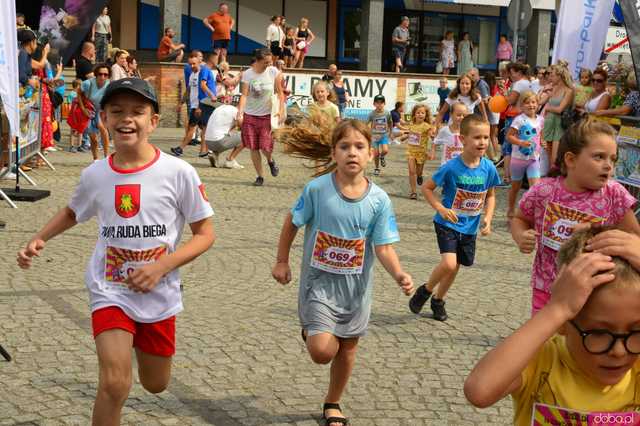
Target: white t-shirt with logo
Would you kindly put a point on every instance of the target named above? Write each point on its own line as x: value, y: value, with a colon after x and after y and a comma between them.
x: 141, y: 214
x: 220, y: 122
x: 531, y: 132
x: 194, y: 81
x: 521, y: 86
x: 261, y: 87
x: 450, y: 142
x: 470, y: 103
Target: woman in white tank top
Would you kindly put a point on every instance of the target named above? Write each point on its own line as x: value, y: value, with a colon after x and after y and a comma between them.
x: 600, y: 98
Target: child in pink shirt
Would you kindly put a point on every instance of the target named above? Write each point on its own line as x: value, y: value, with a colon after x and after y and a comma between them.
x: 581, y: 192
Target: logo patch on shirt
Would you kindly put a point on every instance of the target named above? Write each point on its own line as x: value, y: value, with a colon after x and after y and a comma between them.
x: 127, y: 200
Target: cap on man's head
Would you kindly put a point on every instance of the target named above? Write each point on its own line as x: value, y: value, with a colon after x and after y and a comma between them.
x: 132, y: 85
x: 25, y: 36
x: 379, y: 98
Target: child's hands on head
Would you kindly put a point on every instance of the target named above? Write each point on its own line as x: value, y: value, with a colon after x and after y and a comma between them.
x: 617, y: 243
x: 577, y: 280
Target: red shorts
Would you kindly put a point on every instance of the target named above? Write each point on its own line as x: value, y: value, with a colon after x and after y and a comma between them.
x: 256, y: 132
x: 156, y: 338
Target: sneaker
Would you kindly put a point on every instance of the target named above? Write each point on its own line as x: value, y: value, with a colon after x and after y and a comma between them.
x: 419, y: 180
x: 274, y: 169
x: 418, y: 299
x: 50, y: 149
x: 9, y: 176
x: 259, y: 181
x: 82, y: 149
x: 177, y: 151
x: 383, y: 161
x: 213, y: 159
x: 232, y: 164
x: 204, y: 154
x: 437, y: 306
x: 194, y: 142
x: 376, y: 172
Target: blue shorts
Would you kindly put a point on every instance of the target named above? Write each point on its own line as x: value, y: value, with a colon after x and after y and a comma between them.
x: 93, y: 124
x: 398, y: 51
x: 507, y: 148
x: 518, y: 167
x: 384, y: 140
x: 220, y: 44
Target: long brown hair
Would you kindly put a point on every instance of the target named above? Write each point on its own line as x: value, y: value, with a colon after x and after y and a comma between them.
x: 473, y: 93
x: 576, y: 138
x: 315, y: 137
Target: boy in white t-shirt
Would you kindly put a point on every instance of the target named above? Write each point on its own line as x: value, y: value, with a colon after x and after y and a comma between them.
x: 449, y: 136
x: 142, y: 199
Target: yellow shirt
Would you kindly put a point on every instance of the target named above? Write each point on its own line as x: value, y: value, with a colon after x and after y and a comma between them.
x: 583, y: 93
x: 553, y: 378
x: 330, y: 109
x: 419, y: 135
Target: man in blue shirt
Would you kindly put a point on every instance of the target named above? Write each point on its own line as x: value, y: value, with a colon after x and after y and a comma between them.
x: 28, y: 45
x: 200, y: 94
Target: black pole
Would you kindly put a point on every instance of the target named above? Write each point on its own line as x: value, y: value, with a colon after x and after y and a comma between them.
x: 5, y: 354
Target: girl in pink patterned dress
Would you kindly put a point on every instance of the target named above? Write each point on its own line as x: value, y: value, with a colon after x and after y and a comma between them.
x: 581, y: 191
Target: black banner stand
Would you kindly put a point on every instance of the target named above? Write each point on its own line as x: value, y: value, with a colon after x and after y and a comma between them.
x: 18, y: 194
x: 5, y: 354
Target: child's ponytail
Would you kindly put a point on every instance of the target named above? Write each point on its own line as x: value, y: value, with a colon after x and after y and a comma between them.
x: 315, y: 136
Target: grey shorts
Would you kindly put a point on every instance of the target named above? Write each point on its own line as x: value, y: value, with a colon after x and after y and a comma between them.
x: 228, y: 142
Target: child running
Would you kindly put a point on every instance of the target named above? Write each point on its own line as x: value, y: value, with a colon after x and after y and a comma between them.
x: 576, y: 361
x: 132, y: 277
x: 420, y: 132
x: 449, y: 136
x: 75, y: 143
x: 580, y: 191
x: 381, y: 125
x: 467, y: 183
x: 524, y: 136
x: 348, y: 222
x: 322, y: 97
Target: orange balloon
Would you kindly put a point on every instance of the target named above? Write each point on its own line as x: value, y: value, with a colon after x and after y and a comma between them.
x: 498, y: 104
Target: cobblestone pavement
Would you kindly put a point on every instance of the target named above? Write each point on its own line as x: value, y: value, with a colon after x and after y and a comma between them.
x: 239, y: 356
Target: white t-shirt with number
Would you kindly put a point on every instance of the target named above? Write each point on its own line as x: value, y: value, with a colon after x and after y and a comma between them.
x: 261, y: 87
x: 141, y: 214
x: 450, y: 142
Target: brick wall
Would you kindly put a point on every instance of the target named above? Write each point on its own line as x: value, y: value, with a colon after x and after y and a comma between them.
x: 169, y: 85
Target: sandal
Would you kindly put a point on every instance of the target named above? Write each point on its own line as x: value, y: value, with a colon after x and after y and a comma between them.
x: 328, y: 420
x: 413, y: 196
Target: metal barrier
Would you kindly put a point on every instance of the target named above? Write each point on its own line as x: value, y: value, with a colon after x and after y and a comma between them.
x: 628, y: 165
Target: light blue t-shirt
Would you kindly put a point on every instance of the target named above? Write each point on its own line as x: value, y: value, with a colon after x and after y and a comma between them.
x: 339, y: 251
x: 93, y: 92
x: 205, y: 74
x: 464, y: 190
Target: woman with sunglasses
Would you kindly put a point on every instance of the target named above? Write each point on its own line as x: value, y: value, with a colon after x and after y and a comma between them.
x: 600, y: 98
x: 93, y: 89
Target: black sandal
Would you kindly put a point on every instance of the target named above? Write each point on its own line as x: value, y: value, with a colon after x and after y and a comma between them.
x: 328, y: 420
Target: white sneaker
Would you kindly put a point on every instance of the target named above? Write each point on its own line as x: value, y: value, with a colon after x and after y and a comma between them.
x: 232, y: 164
x: 50, y: 149
x: 9, y: 176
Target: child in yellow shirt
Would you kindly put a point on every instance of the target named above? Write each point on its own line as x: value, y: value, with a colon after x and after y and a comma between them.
x: 578, y: 356
x: 418, y: 137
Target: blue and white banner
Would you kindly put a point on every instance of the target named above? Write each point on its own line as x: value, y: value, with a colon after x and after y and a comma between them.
x: 9, y: 65
x: 581, y: 32
x: 631, y: 12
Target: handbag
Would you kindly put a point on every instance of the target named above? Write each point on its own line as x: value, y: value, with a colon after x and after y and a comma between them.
x: 439, y: 67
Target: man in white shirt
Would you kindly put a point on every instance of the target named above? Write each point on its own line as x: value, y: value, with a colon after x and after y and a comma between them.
x: 222, y: 134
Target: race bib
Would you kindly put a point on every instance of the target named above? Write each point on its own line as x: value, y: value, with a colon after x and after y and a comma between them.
x: 452, y: 151
x: 380, y: 125
x: 549, y: 415
x: 338, y: 255
x: 559, y: 221
x: 468, y: 203
x: 120, y: 263
x: 414, y: 139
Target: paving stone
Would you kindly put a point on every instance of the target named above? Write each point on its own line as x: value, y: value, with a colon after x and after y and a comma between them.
x: 240, y: 360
